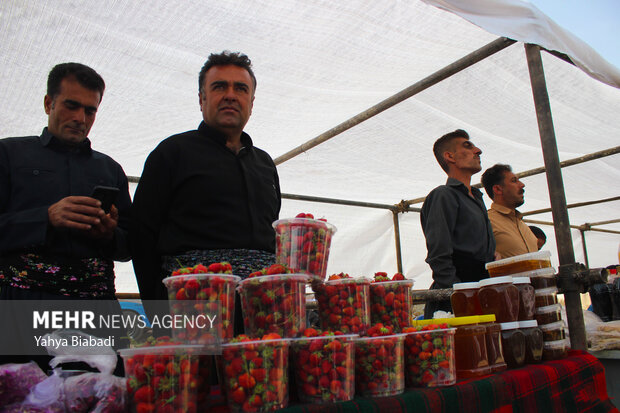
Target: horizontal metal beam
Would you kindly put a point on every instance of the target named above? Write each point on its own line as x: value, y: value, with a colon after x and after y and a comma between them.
x: 575, y: 205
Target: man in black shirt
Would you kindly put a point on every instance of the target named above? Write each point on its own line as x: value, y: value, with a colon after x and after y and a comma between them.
x: 56, y: 242
x: 207, y: 195
x: 459, y: 236
x: 54, y: 238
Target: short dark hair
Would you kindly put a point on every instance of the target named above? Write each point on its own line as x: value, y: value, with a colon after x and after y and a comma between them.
x: 223, y: 59
x: 538, y: 232
x: 86, y: 76
x: 442, y: 144
x: 494, y: 176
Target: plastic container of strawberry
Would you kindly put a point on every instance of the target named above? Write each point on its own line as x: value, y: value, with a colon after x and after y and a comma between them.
x: 343, y: 304
x: 303, y: 245
x: 254, y: 375
x: 390, y: 303
x: 379, y: 365
x: 324, y: 368
x: 274, y: 304
x: 210, y: 289
x: 429, y: 358
x: 167, y: 378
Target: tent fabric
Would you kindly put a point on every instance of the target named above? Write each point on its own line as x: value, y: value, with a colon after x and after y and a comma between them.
x: 318, y: 64
x: 522, y: 21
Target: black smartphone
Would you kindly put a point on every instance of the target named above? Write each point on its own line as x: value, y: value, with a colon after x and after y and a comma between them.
x: 107, y: 195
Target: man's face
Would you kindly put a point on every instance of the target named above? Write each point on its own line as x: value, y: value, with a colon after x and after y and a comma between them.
x: 226, y: 98
x: 71, y: 113
x: 512, y: 190
x: 465, y: 155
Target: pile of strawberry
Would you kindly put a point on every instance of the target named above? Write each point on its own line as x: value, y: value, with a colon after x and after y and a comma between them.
x: 303, y: 244
x: 274, y: 303
x: 429, y: 356
x: 379, y: 362
x: 324, y: 366
x: 343, y: 303
x: 167, y: 380
x: 198, y: 283
x: 272, y: 270
x: 254, y: 374
x: 390, y: 301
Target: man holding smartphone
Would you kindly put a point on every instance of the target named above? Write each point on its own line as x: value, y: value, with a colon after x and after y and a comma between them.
x: 56, y: 241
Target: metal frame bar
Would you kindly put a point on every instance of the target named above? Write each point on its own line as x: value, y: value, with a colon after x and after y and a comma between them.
x: 557, y: 197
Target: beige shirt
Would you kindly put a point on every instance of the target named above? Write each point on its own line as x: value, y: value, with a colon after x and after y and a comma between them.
x: 512, y: 235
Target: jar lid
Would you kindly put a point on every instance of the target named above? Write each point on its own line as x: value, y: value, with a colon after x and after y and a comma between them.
x: 546, y: 291
x: 549, y: 309
x: 539, y: 256
x: 548, y: 272
x: 507, y: 279
x: 553, y: 326
x: 509, y: 326
x: 557, y: 344
x: 520, y: 280
x: 487, y: 318
x: 466, y: 286
x: 528, y: 324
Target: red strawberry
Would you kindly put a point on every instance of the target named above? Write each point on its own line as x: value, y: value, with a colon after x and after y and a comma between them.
x: 144, y: 394
x: 238, y: 395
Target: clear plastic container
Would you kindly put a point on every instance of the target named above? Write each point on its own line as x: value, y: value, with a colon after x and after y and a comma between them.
x: 553, y: 350
x: 541, y: 278
x: 379, y: 365
x: 324, y: 368
x: 470, y: 347
x: 548, y: 314
x: 553, y: 331
x: 187, y: 386
x: 464, y: 299
x: 184, y: 289
x: 526, y: 298
x: 241, y: 374
x: 500, y: 297
x: 429, y: 358
x: 513, y: 344
x: 519, y: 263
x: 533, y: 341
x: 303, y: 245
x: 546, y: 296
x: 344, y: 304
x: 390, y: 303
x: 274, y: 304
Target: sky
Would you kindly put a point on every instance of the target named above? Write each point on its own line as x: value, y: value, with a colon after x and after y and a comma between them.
x: 597, y: 22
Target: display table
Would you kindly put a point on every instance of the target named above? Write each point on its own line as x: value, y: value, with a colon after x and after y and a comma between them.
x: 611, y: 361
x: 573, y: 384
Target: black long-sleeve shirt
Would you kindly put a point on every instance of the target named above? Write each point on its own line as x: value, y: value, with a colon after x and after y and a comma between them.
x: 38, y: 171
x: 457, y: 231
x: 195, y: 193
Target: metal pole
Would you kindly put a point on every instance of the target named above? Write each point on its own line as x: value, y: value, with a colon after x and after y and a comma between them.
x: 399, y: 259
x: 576, y: 205
x: 463, y: 63
x: 557, y: 197
x: 583, y: 245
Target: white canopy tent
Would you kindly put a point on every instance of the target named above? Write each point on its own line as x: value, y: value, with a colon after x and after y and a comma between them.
x: 318, y: 64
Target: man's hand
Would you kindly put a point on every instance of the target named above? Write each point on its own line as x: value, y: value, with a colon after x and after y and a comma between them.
x: 75, y: 212
x: 105, y: 229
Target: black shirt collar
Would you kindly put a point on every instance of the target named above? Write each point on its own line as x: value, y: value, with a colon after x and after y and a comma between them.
x: 461, y: 187
x: 47, y: 139
x: 219, y: 137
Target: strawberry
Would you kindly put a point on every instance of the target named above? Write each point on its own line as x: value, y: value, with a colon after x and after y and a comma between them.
x: 429, y: 356
x: 238, y: 395
x: 390, y: 301
x: 379, y: 364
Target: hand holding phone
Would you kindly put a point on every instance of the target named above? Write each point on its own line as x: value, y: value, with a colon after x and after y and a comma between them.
x: 107, y: 195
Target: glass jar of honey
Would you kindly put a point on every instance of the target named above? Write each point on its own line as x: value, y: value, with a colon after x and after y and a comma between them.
x: 513, y: 344
x: 500, y: 297
x: 526, y: 298
x: 546, y: 296
x: 470, y: 348
x: 494, y: 343
x: 553, y: 331
x: 553, y: 350
x: 519, y: 263
x: 533, y: 341
x: 548, y: 314
x: 541, y: 278
x: 464, y: 299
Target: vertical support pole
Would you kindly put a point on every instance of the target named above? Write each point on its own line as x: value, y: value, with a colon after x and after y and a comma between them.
x: 558, y: 200
x: 585, y: 249
x: 399, y: 259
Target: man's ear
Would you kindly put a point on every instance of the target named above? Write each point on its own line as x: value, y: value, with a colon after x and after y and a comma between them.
x: 47, y: 104
x: 497, y: 189
x: 448, y: 157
